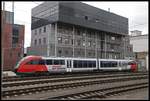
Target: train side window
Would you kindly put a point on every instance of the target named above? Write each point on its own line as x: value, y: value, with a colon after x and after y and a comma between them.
x: 109, y: 64
x: 80, y: 64
x: 120, y: 63
x: 89, y: 63
x: 75, y: 64
x: 41, y: 62
x: 56, y: 62
x: 93, y: 63
x: 105, y: 64
x: 85, y: 64
x: 67, y: 64
x: 62, y: 62
x: 49, y: 62
x: 124, y: 63
x: 113, y: 64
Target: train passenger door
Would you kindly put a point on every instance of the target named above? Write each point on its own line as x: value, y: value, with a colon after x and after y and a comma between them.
x: 69, y: 65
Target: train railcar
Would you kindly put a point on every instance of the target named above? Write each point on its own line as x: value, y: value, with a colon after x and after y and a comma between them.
x: 46, y: 65
x: 117, y: 65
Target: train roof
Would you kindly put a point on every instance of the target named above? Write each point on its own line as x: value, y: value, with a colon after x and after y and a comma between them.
x: 51, y: 57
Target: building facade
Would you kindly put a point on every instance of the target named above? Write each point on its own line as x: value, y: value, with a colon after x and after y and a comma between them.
x: 12, y: 41
x: 75, y: 29
x: 136, y: 33
x: 140, y: 49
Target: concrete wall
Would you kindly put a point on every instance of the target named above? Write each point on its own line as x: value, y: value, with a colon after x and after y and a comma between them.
x: 140, y: 43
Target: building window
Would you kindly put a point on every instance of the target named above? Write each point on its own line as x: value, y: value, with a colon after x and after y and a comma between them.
x: 112, y: 38
x: 59, y: 39
x: 40, y: 31
x: 35, y: 32
x: 18, y: 54
x: 39, y: 41
x: 44, y: 40
x: 59, y: 52
x: 97, y: 20
x: 94, y: 44
x: 44, y: 28
x: 102, y: 37
x: 89, y: 43
x: 111, y: 46
x: 35, y: 42
x: 78, y: 52
x: 72, y: 41
x: 89, y: 53
x: 66, y: 41
x: 78, y: 32
x: 66, y: 52
x: 15, y: 31
x: 86, y: 17
x: 15, y: 40
x: 83, y: 43
x: 15, y: 35
x: 78, y: 42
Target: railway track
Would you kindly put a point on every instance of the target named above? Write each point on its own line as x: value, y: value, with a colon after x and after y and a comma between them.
x: 102, y: 93
x: 51, y: 80
x: 18, y: 78
x: 52, y: 86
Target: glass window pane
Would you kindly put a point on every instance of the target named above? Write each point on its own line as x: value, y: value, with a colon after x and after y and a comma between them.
x: 75, y: 63
x: 56, y: 62
x: 49, y: 62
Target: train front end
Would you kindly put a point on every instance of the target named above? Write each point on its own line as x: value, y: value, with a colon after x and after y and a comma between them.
x: 29, y: 66
x: 134, y: 66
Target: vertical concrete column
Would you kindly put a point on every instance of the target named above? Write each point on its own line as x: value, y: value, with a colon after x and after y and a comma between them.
x: 55, y: 39
x: 105, y: 46
x: 85, y: 41
x: 96, y: 46
x: 73, y: 39
x: 48, y: 43
x: 124, y: 47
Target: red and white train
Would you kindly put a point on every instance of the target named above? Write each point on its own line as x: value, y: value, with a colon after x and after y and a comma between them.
x: 39, y: 64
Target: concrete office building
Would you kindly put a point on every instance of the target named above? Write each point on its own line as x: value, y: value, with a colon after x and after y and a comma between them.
x: 75, y: 29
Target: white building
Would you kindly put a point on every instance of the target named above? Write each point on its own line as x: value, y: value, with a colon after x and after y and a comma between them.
x: 136, y: 33
x: 140, y: 48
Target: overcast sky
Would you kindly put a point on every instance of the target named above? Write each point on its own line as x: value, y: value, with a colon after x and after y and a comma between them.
x: 136, y: 12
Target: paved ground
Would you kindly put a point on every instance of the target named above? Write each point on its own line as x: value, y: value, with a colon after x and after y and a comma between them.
x: 140, y: 94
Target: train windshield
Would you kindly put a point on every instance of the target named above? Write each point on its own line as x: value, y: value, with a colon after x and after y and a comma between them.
x: 131, y: 62
x: 17, y: 64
